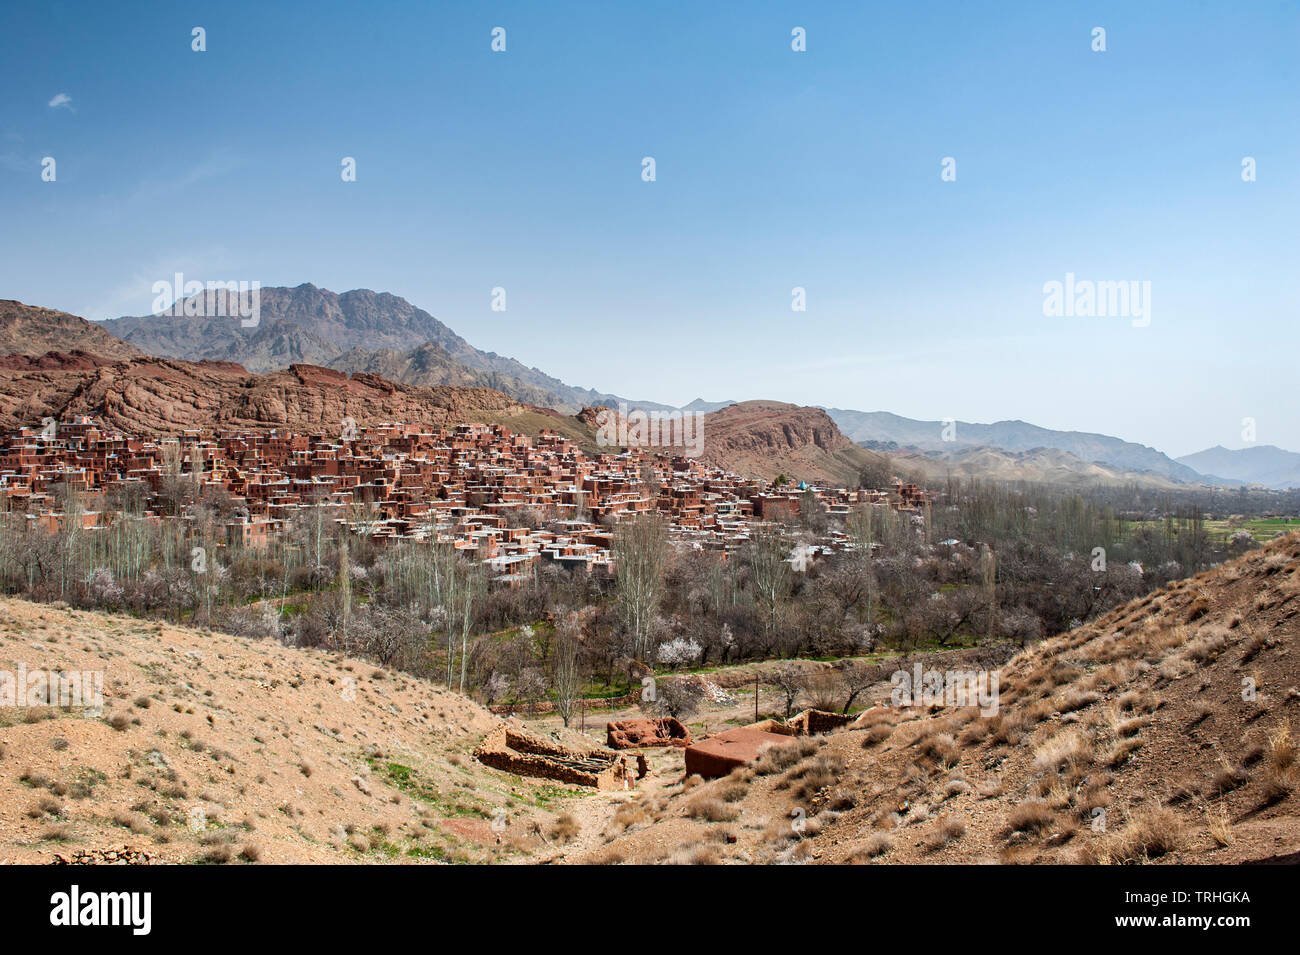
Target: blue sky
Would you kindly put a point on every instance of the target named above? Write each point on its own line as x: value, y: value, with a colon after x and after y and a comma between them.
x: 775, y: 169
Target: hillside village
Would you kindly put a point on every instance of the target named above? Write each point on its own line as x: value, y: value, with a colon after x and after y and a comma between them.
x: 482, y: 488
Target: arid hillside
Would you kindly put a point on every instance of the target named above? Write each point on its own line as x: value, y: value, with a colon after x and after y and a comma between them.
x: 764, y: 439
x: 212, y: 748
x: 1048, y: 466
x: 31, y: 330
x: 1161, y: 732
x: 431, y: 365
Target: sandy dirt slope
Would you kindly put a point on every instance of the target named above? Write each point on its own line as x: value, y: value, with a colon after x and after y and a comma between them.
x: 216, y: 748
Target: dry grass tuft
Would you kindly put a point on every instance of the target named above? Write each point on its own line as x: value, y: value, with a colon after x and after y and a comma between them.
x: 781, y: 756
x: 1070, y: 748
x: 1281, y: 748
x: 946, y: 831
x: 1219, y: 826
x: 1149, y: 834
x: 942, y: 748
x: 565, y: 828
x: 710, y: 809
x: 1034, y: 816
x: 1121, y: 751
x: 876, y: 845
x: 1229, y: 776
x: 695, y: 855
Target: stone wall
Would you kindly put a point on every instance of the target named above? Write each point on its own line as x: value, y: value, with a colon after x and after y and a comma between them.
x: 513, y: 749
x: 633, y: 734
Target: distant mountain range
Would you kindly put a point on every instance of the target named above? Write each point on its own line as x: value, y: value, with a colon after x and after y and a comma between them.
x: 1115, y: 454
x: 360, y: 330
x: 383, y: 335
x: 1050, y: 466
x: 1264, y: 464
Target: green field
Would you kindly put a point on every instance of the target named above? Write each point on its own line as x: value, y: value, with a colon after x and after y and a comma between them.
x: 1263, y: 529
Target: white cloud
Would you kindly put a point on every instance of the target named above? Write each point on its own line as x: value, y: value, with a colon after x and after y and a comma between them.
x: 61, y: 100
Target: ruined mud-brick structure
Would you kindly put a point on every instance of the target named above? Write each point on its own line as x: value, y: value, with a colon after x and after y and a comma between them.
x: 806, y: 723
x: 815, y: 722
x: 716, y: 756
x: 633, y: 734
x: 772, y: 726
x: 513, y: 749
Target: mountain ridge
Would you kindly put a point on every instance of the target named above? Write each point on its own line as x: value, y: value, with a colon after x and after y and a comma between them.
x: 1010, y: 435
x: 379, y: 334
x: 356, y: 330
x: 1265, y: 464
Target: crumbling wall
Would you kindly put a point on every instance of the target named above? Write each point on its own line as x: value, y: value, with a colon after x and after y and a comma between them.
x: 813, y: 722
x: 771, y: 726
x: 513, y: 749
x: 631, y: 734
x: 807, y: 723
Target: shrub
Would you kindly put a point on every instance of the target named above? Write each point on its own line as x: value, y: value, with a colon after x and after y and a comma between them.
x: 1281, y: 748
x: 1034, y: 816
x: 711, y: 810
x: 119, y: 721
x: 876, y: 845
x: 1070, y: 748
x: 948, y: 830
x: 1149, y: 834
x: 565, y: 829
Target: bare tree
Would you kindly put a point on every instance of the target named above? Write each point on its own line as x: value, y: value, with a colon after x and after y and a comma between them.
x: 640, y: 556
x: 566, y: 680
x: 345, y: 586
x: 989, y: 578
x: 679, y: 697
x: 856, y: 678
x: 766, y: 557
x: 822, y: 687
x: 787, y: 678
x: 464, y: 585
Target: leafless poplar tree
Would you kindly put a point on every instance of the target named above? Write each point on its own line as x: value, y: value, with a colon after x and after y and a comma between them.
x: 566, y: 679
x: 640, y: 557
x: 766, y: 556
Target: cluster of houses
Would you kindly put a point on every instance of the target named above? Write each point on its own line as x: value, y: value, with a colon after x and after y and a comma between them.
x: 507, y: 499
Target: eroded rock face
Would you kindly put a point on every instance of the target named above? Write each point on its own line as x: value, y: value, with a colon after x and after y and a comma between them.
x: 774, y: 425
x: 162, y: 396
x: 763, y: 438
x: 63, y: 361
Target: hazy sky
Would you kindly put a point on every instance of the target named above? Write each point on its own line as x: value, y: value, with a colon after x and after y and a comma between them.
x: 774, y: 169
